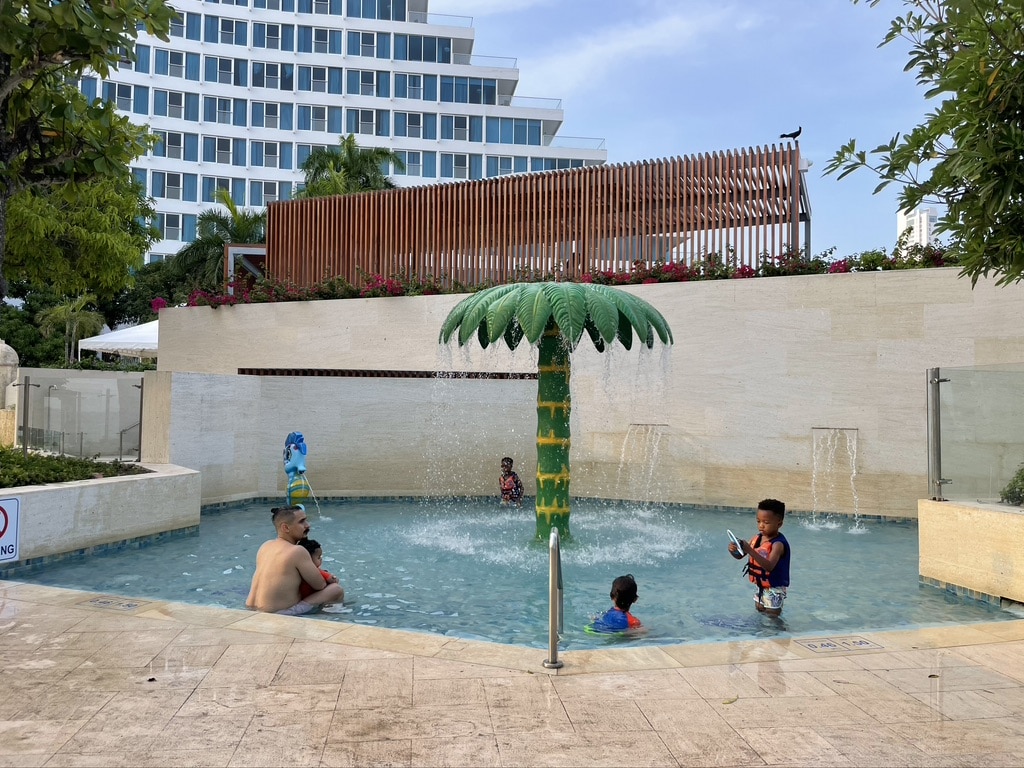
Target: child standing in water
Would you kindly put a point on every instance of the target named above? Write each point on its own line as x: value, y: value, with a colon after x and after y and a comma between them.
x: 768, y: 567
x: 316, y: 552
x: 509, y: 484
x: 618, y: 618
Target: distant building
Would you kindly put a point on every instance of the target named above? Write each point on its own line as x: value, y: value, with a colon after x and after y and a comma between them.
x: 244, y: 90
x: 921, y: 223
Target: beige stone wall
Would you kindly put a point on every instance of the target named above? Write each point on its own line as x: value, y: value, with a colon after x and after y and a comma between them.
x: 65, y: 517
x: 810, y: 389
x: 974, y: 546
x: 8, y: 428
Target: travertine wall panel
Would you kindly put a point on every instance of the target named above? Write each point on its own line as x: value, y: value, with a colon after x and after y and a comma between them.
x: 973, y: 546
x: 726, y: 417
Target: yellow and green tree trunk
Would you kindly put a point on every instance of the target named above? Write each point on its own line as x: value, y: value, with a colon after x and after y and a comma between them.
x: 553, y: 408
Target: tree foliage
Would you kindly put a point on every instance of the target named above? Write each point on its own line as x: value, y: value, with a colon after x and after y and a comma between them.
x: 71, y: 320
x: 50, y: 134
x: 347, y: 169
x: 200, y: 264
x: 88, y: 241
x: 967, y: 153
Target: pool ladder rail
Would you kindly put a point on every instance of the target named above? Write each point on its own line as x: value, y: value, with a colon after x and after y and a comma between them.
x: 555, y: 606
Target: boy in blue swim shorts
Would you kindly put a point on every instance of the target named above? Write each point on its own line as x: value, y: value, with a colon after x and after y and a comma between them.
x: 769, y: 553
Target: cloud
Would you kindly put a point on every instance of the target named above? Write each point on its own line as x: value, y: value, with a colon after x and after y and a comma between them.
x: 586, y: 62
x: 479, y: 8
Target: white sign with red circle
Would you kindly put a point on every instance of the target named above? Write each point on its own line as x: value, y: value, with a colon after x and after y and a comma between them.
x: 9, y: 510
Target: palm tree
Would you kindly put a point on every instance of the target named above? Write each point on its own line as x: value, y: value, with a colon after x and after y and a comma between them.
x: 347, y: 169
x: 555, y: 315
x: 73, y: 320
x: 201, y: 262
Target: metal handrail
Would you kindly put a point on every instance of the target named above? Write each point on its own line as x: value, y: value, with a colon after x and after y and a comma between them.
x: 120, y: 439
x: 555, y: 609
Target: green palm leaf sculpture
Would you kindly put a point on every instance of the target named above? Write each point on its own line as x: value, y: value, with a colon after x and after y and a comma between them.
x: 554, y: 316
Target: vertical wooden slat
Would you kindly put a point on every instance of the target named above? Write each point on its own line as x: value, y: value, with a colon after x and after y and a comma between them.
x: 559, y: 222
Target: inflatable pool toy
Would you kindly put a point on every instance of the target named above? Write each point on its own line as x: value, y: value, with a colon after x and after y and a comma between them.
x: 295, y: 450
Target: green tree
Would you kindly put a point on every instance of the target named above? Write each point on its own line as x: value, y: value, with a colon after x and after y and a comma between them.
x: 967, y: 152
x: 347, y: 169
x: 87, y: 241
x: 18, y: 328
x: 554, y: 316
x: 135, y: 305
x: 200, y: 264
x: 49, y: 132
x: 73, y: 320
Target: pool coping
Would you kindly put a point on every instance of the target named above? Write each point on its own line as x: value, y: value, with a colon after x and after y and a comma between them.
x: 575, y: 662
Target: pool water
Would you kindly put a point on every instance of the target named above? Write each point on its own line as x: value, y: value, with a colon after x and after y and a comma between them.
x: 471, y: 569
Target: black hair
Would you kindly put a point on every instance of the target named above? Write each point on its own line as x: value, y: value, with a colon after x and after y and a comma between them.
x: 623, y: 592
x: 774, y: 506
x: 310, y: 545
x: 506, y: 460
x: 284, y: 514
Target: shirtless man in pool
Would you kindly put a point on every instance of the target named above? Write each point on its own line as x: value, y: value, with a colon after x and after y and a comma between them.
x: 281, y: 567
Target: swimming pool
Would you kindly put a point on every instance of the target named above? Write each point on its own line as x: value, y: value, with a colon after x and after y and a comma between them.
x: 470, y: 569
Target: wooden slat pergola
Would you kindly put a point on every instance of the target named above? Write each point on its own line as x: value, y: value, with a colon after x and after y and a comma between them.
x: 745, y: 205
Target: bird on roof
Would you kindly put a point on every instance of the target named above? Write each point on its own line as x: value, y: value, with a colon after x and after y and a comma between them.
x: 792, y: 135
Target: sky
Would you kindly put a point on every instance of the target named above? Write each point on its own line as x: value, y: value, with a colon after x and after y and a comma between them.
x: 666, y: 78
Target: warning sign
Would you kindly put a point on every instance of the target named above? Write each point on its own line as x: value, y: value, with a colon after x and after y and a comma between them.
x: 9, y: 511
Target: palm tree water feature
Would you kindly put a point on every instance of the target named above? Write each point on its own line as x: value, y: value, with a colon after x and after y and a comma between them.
x: 554, y: 316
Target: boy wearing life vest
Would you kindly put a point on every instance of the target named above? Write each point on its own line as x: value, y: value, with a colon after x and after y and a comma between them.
x: 768, y: 566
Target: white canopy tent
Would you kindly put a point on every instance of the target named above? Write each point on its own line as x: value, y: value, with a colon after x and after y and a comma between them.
x: 137, y: 341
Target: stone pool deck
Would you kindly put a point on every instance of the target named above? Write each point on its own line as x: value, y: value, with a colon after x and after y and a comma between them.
x: 90, y: 680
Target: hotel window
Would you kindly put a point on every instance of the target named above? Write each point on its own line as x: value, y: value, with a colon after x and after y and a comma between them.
x: 455, y: 127
x: 454, y: 166
x: 172, y: 186
x: 171, y: 145
x: 318, y: 119
x: 320, y: 40
x: 227, y: 31
x: 270, y: 5
x: 413, y: 164
x: 322, y: 7
x: 225, y: 71
x: 409, y: 124
x: 269, y: 115
x: 499, y: 166
x: 124, y: 59
x: 217, y: 150
x: 213, y: 184
x: 364, y: 121
x: 423, y: 48
x: 275, y: 76
x: 273, y: 38
x: 218, y: 110
x: 370, y: 44
x: 367, y: 44
x: 264, y: 192
x: 169, y: 225
x: 266, y: 154
x: 176, y: 64
x: 303, y: 151
x: 414, y: 89
x: 122, y: 97
x: 186, y: 25
x: 175, y: 104
x: 367, y: 83
x: 318, y: 77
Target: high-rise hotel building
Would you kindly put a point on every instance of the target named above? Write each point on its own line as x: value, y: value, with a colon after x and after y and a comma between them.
x: 244, y: 90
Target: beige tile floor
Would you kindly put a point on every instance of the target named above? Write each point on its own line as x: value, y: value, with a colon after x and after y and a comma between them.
x: 88, y: 681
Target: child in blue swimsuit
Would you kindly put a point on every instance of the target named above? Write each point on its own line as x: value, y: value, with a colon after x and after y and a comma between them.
x: 618, y: 619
